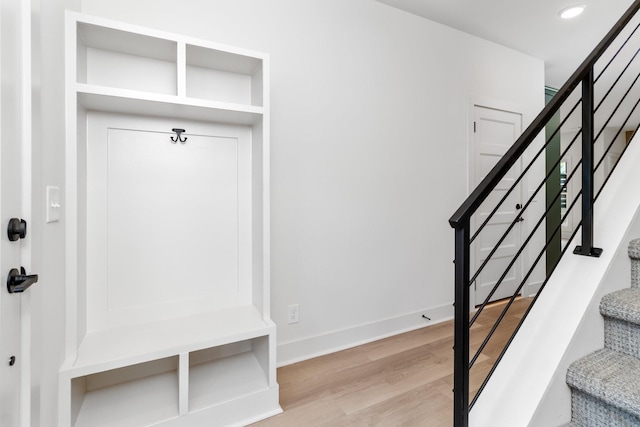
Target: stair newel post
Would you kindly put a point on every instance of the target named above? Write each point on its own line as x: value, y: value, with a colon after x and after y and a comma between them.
x: 461, y: 333
x: 587, y: 248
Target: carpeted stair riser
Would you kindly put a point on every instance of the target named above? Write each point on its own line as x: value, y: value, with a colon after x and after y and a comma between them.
x: 635, y: 274
x: 621, y: 311
x: 634, y: 254
x: 622, y: 336
x: 587, y: 411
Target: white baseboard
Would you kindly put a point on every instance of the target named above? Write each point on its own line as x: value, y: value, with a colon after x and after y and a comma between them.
x: 532, y: 289
x: 330, y: 342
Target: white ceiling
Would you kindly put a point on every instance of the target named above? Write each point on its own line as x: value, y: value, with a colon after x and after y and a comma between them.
x: 529, y: 26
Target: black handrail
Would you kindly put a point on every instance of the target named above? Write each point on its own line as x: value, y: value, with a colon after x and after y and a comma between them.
x: 461, y: 219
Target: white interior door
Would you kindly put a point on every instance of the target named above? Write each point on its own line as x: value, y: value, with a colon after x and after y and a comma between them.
x: 15, y: 183
x: 494, y: 132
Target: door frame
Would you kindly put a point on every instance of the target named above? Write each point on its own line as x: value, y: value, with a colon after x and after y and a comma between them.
x: 494, y: 104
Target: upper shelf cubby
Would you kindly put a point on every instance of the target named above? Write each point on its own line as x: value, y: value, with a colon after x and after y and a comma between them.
x: 158, y: 63
x: 120, y: 59
x: 223, y: 76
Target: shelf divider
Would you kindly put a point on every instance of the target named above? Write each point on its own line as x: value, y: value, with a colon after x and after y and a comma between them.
x: 182, y: 70
x: 183, y: 381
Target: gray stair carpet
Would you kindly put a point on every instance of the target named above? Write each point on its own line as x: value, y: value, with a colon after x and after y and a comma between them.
x: 621, y: 311
x: 611, y: 377
x: 634, y: 254
x: 605, y: 385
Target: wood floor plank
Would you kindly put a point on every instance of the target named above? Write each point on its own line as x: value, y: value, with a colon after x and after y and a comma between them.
x: 420, y: 407
x: 383, y: 348
x: 325, y: 365
x: 404, y: 380
x: 319, y: 412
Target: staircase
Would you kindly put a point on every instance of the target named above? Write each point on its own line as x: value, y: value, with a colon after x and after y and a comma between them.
x: 605, y: 385
x: 591, y: 110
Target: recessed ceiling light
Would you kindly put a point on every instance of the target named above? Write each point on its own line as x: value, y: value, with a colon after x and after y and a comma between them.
x: 571, y: 11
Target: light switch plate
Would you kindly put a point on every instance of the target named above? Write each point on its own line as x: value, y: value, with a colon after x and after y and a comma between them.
x: 53, y: 204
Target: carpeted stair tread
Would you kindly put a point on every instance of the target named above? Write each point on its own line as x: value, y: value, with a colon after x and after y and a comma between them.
x: 623, y: 304
x: 610, y: 376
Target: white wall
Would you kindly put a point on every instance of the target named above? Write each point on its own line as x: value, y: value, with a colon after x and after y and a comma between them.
x: 369, y: 152
x: 369, y: 158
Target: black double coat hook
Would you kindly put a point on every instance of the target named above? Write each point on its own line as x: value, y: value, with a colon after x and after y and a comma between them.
x: 178, y: 136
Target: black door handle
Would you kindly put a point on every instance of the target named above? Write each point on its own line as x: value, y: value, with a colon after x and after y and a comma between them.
x: 20, y: 281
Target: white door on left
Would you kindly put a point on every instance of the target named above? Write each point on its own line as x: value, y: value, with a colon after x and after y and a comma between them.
x: 15, y: 196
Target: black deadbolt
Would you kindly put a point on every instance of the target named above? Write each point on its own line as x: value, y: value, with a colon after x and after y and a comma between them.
x: 17, y: 229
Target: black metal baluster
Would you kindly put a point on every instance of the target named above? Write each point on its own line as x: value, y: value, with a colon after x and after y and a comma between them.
x: 587, y: 248
x: 461, y: 333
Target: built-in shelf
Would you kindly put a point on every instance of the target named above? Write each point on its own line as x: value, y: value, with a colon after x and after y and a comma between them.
x: 150, y: 341
x: 126, y: 101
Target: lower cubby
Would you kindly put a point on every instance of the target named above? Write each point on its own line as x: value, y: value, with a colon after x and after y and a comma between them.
x: 227, y: 372
x: 137, y: 395
x: 213, y: 384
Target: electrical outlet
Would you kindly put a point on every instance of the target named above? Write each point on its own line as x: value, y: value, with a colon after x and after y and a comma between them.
x: 293, y: 314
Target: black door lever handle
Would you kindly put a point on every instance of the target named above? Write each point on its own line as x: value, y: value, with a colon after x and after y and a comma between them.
x: 20, y: 281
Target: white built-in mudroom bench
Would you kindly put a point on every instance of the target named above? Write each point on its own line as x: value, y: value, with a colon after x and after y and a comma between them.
x: 167, y: 231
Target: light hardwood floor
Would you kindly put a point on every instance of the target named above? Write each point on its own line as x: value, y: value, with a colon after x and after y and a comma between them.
x: 404, y: 380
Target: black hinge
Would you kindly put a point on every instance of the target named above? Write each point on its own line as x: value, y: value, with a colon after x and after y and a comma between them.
x: 474, y: 127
